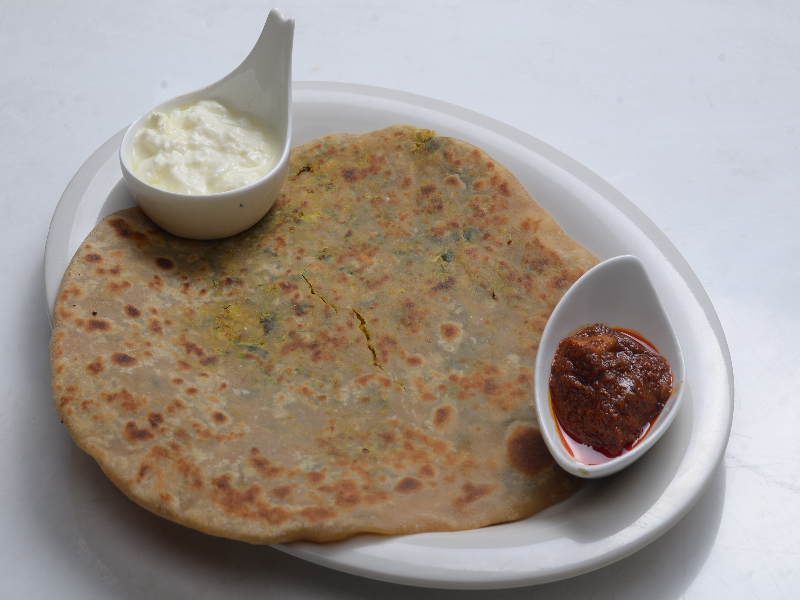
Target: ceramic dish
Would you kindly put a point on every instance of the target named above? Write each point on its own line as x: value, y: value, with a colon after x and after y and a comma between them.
x: 609, y: 519
x: 616, y: 293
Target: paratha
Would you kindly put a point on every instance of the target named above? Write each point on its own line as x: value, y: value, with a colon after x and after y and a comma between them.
x: 361, y: 360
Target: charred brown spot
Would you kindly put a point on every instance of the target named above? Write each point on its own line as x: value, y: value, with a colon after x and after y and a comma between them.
x: 527, y: 451
x: 450, y: 331
x: 118, y: 287
x: 165, y: 263
x: 143, y: 471
x: 177, y: 381
x: 97, y: 325
x: 155, y: 325
x: 414, y: 361
x: 317, y: 513
x: 350, y: 174
x: 559, y: 281
x: 219, y: 417
x: 282, y: 491
x: 155, y: 419
x: 315, y: 477
x: 132, y: 311
x: 134, y: 434
x: 287, y: 287
x: 504, y: 189
x: 209, y: 360
x: 192, y: 348
x: 261, y: 464
x: 427, y: 471
x: 387, y: 437
x: 123, y: 230
x: 157, y: 283
x: 408, y: 485
x: 191, y: 391
x: 444, y: 285
x: 442, y: 416
x: 93, y: 258
x: 123, y: 360
x: 471, y: 493
x: 427, y: 190
x: 96, y: 367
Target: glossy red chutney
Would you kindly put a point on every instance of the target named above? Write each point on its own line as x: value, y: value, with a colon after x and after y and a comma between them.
x: 607, y: 387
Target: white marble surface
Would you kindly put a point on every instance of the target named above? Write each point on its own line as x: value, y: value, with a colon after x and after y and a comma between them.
x: 690, y: 109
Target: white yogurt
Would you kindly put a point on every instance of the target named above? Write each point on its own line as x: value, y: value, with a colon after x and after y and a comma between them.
x: 203, y: 148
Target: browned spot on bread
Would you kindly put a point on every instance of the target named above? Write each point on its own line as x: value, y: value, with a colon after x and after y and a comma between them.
x: 504, y: 189
x: 373, y: 496
x: 184, y: 366
x: 176, y: 405
x: 408, y: 485
x: 315, y: 514
x: 411, y: 316
x: 450, y: 331
x: 527, y: 451
x: 93, y: 258
x: 282, y: 491
x: 471, y: 492
x: 124, y: 230
x: 414, y: 361
x: 427, y: 190
x: 444, y: 285
x: 350, y: 174
x: 247, y: 503
x: 219, y: 417
x: 406, y: 183
x: 191, y: 347
x: 209, y: 360
x: 191, y: 391
x: 427, y: 471
x: 559, y: 281
x: 132, y: 311
x: 315, y: 477
x: 127, y: 402
x: 98, y: 325
x: 263, y: 465
x: 387, y: 437
x: 165, y: 263
x: 155, y: 325
x: 346, y: 491
x: 118, y: 287
x: 157, y: 283
x: 442, y: 416
x: 177, y: 381
x: 95, y: 367
x: 123, y: 360
x: 134, y: 434
x: 144, y: 469
x: 452, y: 180
x: 155, y: 419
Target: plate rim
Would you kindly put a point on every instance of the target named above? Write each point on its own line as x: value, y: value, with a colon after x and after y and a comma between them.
x: 67, y: 207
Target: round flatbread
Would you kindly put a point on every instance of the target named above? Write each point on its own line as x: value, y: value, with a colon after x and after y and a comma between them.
x: 359, y: 361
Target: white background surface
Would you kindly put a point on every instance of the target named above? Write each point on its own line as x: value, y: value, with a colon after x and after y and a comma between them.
x: 690, y: 109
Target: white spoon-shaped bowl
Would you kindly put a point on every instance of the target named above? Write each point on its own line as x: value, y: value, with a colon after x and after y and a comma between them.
x: 260, y: 86
x: 619, y: 294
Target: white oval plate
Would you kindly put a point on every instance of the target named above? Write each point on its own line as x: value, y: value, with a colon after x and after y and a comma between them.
x: 609, y: 519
